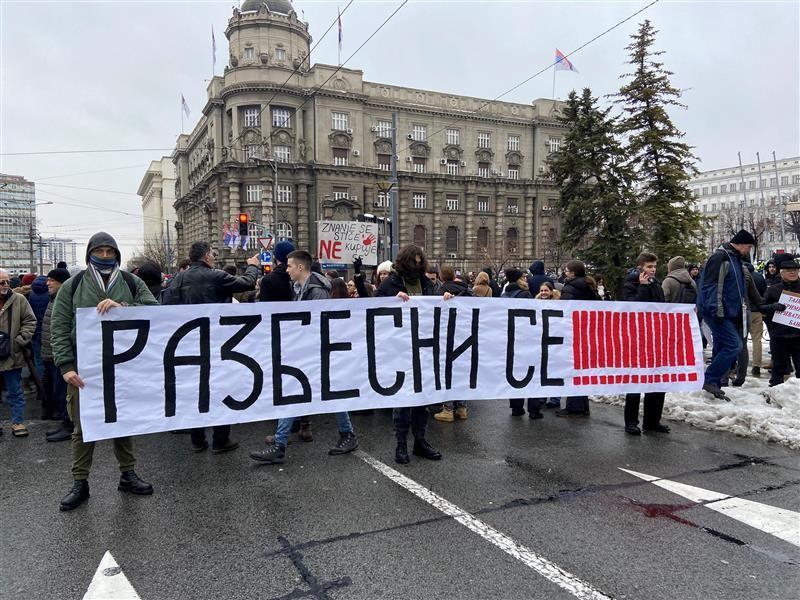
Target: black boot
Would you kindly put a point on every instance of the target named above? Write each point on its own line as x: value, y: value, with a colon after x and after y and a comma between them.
x: 401, y: 453
x: 62, y: 435
x: 76, y: 496
x: 425, y: 450
x: 129, y: 482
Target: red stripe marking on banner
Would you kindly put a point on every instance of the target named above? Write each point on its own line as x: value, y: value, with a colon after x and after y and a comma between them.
x: 681, y: 376
x: 616, y: 332
x: 619, y: 378
x: 602, y: 379
x: 656, y: 378
x: 593, y: 339
x: 642, y: 339
x: 586, y: 380
x: 674, y: 377
x: 674, y: 337
x: 656, y: 337
x: 610, y: 335
x: 576, y: 381
x: 602, y: 339
x: 576, y: 339
x: 626, y: 379
x: 679, y: 341
x: 664, y: 327
x: 692, y: 376
x: 594, y: 379
x: 688, y: 341
x: 673, y: 349
x: 634, y: 379
x: 584, y: 339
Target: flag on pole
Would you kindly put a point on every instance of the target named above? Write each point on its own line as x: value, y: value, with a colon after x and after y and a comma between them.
x: 341, y: 35
x: 226, y: 235
x: 234, y: 238
x: 185, y: 107
x: 563, y: 63
x: 213, y: 47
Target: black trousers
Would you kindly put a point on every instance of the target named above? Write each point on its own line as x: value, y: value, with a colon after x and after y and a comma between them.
x: 220, y: 436
x: 653, y: 406
x: 414, y: 418
x: 785, y: 351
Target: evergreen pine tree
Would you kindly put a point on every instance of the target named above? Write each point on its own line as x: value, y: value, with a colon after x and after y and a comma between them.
x: 596, y: 197
x: 661, y: 162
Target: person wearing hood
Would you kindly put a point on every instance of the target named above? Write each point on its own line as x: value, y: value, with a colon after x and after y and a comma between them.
x: 105, y: 286
x: 771, y: 274
x: 152, y: 276
x: 481, y: 288
x: 39, y: 299
x: 54, y: 385
x: 496, y: 291
x: 678, y: 285
x: 784, y: 341
x: 537, y: 276
x: 17, y: 327
x: 722, y: 303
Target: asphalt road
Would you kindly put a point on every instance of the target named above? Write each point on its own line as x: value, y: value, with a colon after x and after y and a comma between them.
x: 337, y: 527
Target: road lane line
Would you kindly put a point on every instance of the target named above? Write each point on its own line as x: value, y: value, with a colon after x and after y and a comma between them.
x: 110, y: 582
x: 780, y: 522
x: 549, y: 570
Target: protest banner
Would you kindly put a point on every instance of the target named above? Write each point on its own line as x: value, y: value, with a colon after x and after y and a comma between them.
x: 150, y: 369
x: 342, y: 241
x: 790, y: 316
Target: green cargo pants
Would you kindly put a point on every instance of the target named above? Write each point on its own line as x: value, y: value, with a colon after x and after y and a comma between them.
x: 82, y: 452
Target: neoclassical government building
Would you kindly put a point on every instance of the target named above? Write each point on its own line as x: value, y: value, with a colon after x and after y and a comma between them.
x: 473, y: 185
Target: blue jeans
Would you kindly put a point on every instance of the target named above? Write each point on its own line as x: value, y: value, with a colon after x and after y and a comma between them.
x: 727, y: 346
x: 285, y: 426
x: 16, y: 399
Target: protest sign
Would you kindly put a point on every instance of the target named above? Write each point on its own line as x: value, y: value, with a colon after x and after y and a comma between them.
x: 341, y: 241
x: 790, y: 316
x: 150, y: 369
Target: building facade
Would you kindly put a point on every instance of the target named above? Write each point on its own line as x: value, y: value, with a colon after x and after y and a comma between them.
x: 292, y: 144
x: 157, y: 190
x: 18, y: 250
x: 56, y: 249
x: 753, y: 199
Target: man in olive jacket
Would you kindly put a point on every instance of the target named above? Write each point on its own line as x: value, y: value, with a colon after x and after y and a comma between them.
x: 105, y: 286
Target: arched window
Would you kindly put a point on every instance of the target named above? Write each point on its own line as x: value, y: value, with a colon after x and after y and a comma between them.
x: 283, y: 231
x: 420, y: 236
x: 512, y: 238
x: 483, y: 239
x: 451, y: 240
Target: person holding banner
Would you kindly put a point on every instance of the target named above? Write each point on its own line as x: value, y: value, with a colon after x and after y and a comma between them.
x: 407, y: 278
x: 105, y: 286
x: 784, y: 340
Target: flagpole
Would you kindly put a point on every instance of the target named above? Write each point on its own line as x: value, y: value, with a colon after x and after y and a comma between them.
x: 554, y: 82
x: 181, y: 113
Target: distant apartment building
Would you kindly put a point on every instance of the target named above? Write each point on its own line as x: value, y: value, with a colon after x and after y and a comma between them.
x: 18, y: 252
x: 157, y: 190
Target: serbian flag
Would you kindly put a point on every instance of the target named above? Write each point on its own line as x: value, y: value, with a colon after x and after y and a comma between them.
x: 234, y: 239
x: 213, y: 47
x: 563, y: 63
x: 341, y: 35
x: 226, y: 235
x: 185, y: 107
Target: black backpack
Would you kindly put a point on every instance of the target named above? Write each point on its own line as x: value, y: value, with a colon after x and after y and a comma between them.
x: 128, y: 277
x: 687, y: 294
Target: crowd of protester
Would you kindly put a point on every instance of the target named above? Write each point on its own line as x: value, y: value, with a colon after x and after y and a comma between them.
x: 37, y: 330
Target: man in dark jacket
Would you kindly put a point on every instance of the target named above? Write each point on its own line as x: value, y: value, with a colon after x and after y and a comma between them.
x: 771, y: 276
x: 756, y: 321
x: 406, y: 279
x: 784, y: 341
x: 276, y: 286
x: 38, y: 299
x: 201, y: 283
x: 537, y: 277
x: 723, y: 306
x: 152, y: 276
x: 642, y: 286
x: 54, y: 385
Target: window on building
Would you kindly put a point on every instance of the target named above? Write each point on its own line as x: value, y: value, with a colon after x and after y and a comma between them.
x: 763, y: 184
x: 250, y: 150
x: 713, y: 207
x: 451, y: 240
x: 555, y: 144
x: 383, y: 128
x: 753, y: 185
x: 281, y: 117
x: 484, y: 140
x: 280, y: 54
x: 773, y: 181
x: 752, y: 201
x: 385, y: 162
x: 382, y: 200
x: 723, y: 188
x: 252, y: 116
x: 482, y: 204
x: 512, y: 239
x: 340, y: 156
x: 513, y: 172
x: 483, y: 239
x: 713, y: 190
x: 341, y: 193
x: 283, y: 153
x: 419, y: 200
x: 451, y: 202
x: 419, y: 133
x: 253, y: 193
x: 795, y: 179
x: 733, y: 187
x: 784, y: 180
x: 283, y: 231
x: 484, y: 169
x: 771, y: 236
x: 340, y: 121
x: 512, y: 206
x: 284, y: 193
x: 452, y: 167
x: 249, y: 53
x: 420, y: 164
x: 513, y: 142
x: 705, y: 191
x: 453, y: 137
x: 420, y: 236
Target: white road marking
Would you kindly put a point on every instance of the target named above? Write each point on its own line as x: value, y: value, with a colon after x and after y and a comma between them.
x: 546, y: 568
x: 780, y: 522
x: 110, y: 583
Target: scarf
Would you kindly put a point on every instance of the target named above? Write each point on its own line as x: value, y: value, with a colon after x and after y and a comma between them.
x: 103, y: 272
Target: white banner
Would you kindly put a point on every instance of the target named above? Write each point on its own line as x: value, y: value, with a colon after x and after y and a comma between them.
x: 150, y: 369
x: 341, y: 241
x: 790, y: 316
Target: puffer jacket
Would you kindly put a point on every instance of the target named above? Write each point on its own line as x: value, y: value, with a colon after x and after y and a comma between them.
x: 39, y: 298
x: 578, y: 288
x: 16, y: 319
x: 634, y: 291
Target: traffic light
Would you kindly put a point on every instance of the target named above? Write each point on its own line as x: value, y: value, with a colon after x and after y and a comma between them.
x: 267, y: 269
x: 243, y: 220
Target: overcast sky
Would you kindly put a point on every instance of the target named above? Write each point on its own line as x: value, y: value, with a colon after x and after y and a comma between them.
x: 98, y: 75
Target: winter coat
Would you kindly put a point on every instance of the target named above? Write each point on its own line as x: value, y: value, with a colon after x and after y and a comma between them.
x: 537, y: 276
x: 771, y: 279
x: 200, y: 284
x: 39, y: 298
x: 482, y: 290
x: 578, y: 289
x: 676, y: 279
x: 275, y: 286
x: 723, y: 287
x: 514, y: 291
x: 555, y: 295
x: 455, y: 287
x: 634, y: 291
x: 778, y: 330
x: 758, y: 279
x: 316, y: 287
x: 16, y: 319
x: 47, y: 347
x: 394, y: 284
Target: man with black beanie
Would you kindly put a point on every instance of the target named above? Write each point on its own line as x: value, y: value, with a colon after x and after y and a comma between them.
x: 55, y: 387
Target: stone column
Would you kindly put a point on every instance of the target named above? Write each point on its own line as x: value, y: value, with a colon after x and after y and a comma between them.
x: 529, y: 229
x: 234, y: 153
x: 234, y: 203
x: 469, y: 227
x: 266, y: 200
x: 439, y: 233
x: 406, y: 234
x: 499, y: 225
x: 303, y: 225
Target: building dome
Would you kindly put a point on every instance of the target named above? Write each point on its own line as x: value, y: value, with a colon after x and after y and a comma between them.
x: 283, y: 7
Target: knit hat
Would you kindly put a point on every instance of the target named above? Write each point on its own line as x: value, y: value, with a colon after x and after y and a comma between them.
x: 385, y: 267
x: 743, y: 237
x: 513, y: 275
x: 282, y: 250
x: 61, y: 265
x: 676, y: 262
x: 28, y: 278
x: 60, y: 275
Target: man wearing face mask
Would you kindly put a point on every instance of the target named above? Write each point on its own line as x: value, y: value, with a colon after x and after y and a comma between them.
x: 104, y: 286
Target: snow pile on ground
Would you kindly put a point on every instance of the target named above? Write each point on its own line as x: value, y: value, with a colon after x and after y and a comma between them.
x: 747, y: 414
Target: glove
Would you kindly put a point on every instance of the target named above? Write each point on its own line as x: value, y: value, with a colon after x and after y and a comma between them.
x: 357, y: 263
x: 778, y: 307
